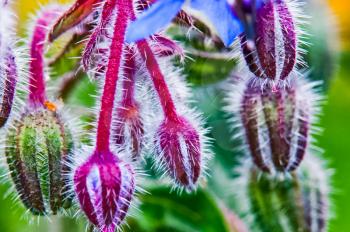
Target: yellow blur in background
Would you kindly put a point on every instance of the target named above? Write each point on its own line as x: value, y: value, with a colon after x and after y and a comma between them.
x: 341, y: 9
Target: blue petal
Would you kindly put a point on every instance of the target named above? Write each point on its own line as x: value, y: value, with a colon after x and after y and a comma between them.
x: 155, y: 18
x: 258, y: 3
x: 221, y: 16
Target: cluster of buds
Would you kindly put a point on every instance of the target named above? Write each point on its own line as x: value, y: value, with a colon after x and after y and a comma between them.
x: 39, y: 142
x: 105, y: 182
x: 298, y: 202
x: 274, y: 110
x: 274, y: 106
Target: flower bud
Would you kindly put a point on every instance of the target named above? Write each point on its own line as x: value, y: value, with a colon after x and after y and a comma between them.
x: 8, y: 79
x: 179, y: 151
x: 298, y: 202
x: 38, y: 149
x: 275, y: 121
x: 165, y: 47
x: 272, y: 52
x: 8, y: 62
x: 104, y: 186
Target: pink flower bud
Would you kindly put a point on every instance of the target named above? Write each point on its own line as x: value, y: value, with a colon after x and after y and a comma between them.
x: 276, y: 122
x: 165, y: 47
x: 104, y: 186
x: 179, y: 151
x: 8, y: 79
x: 9, y: 70
x: 272, y: 52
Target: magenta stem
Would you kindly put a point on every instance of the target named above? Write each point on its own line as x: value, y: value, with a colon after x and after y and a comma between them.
x: 112, y: 73
x: 157, y: 76
x: 37, y: 95
x: 159, y: 83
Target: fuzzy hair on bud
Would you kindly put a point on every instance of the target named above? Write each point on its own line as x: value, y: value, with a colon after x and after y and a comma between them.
x: 38, y: 149
x: 297, y: 202
x: 275, y: 121
x: 180, y: 147
x: 9, y: 63
x: 274, y: 50
x: 104, y: 186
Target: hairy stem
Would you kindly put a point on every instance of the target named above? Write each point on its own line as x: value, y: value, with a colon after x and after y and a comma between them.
x: 37, y: 96
x: 112, y: 73
x: 157, y: 76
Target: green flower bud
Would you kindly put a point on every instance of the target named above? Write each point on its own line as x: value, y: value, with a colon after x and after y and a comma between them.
x: 38, y: 146
x: 295, y: 203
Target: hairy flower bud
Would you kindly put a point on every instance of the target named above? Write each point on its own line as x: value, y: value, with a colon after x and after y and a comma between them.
x: 165, y: 47
x: 8, y: 80
x: 104, y: 186
x: 276, y: 122
x: 298, y: 202
x: 8, y: 63
x: 272, y: 52
x: 38, y: 149
x: 179, y: 151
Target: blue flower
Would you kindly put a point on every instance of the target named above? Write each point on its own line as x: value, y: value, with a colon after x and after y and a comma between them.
x: 161, y: 13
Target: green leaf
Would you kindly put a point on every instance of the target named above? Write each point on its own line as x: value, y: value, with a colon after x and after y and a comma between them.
x: 162, y: 210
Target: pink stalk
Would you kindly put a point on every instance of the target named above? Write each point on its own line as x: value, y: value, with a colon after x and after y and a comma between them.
x: 159, y: 83
x: 112, y: 73
x: 108, y: 8
x: 37, y: 96
x: 157, y: 76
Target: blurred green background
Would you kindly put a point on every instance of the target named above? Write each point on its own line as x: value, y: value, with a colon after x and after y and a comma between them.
x: 208, y: 209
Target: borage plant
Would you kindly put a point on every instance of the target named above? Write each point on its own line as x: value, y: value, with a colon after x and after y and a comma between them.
x: 147, y: 114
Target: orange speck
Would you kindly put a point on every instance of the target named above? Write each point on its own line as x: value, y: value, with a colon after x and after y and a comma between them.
x: 50, y: 106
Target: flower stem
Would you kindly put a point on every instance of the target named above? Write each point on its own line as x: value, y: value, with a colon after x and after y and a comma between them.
x: 157, y: 76
x: 37, y: 95
x: 112, y: 73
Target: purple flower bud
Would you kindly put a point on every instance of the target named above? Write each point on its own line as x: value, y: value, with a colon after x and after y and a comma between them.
x: 9, y: 70
x: 276, y: 122
x: 179, y: 140
x: 273, y: 52
x: 179, y: 151
x: 8, y: 79
x: 165, y: 47
x: 104, y: 186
